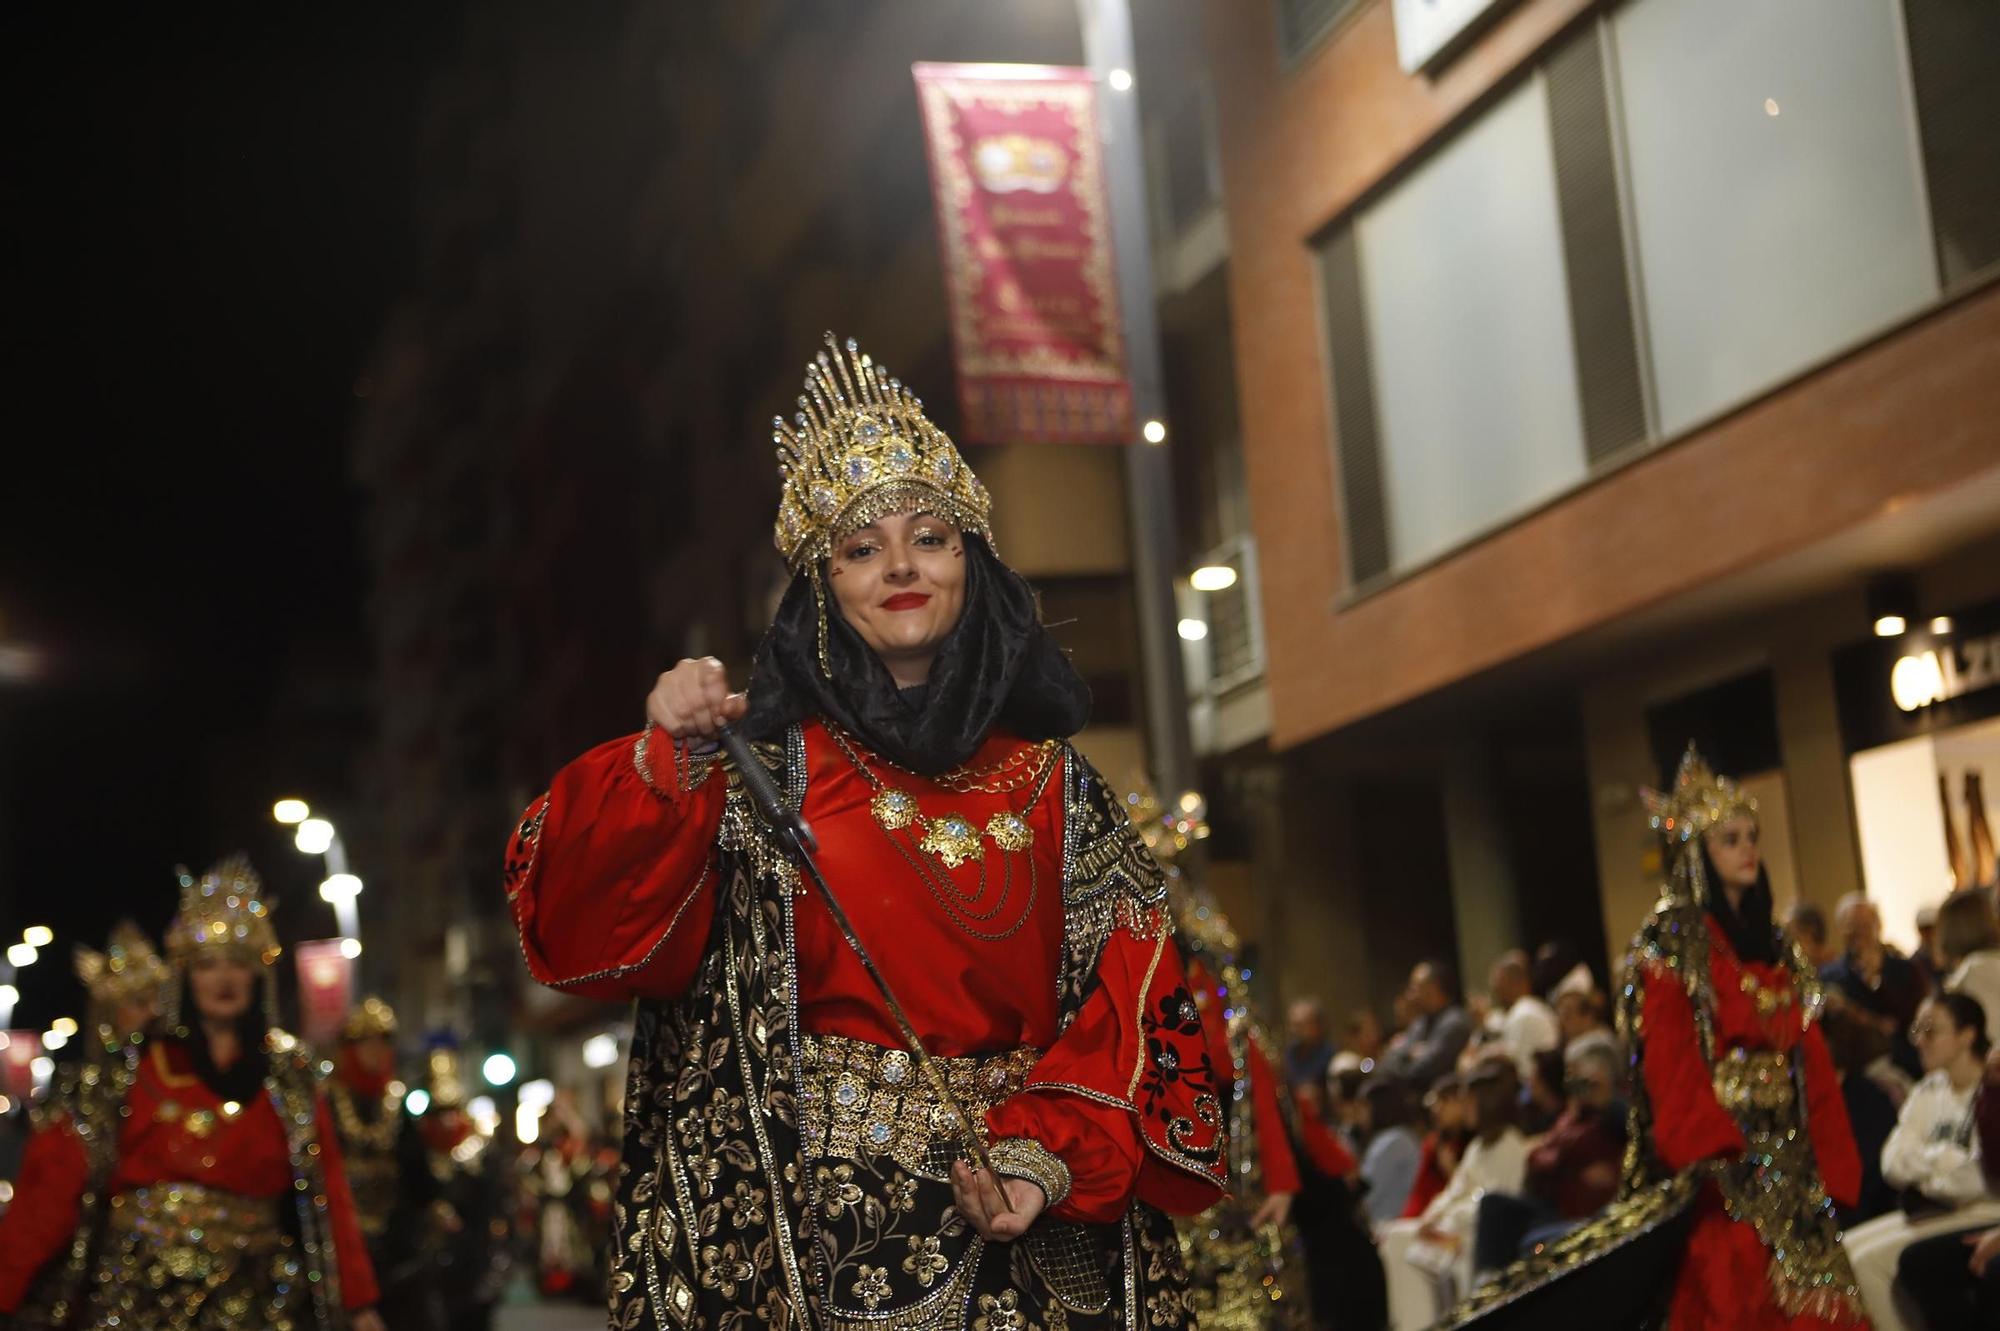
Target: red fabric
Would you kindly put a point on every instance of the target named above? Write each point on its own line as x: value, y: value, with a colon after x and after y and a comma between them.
x: 246, y: 1155
x: 1725, y: 1278
x: 613, y: 893
x: 1431, y: 1178
x: 1574, y: 1167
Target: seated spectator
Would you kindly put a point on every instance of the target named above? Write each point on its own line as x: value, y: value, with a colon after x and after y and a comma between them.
x: 1573, y: 1169
x: 1856, y: 1045
x: 1542, y: 1099
x: 1806, y: 923
x: 1363, y: 1037
x: 1390, y: 1147
x: 1344, y: 1079
x: 1308, y: 1053
x: 1927, y: 959
x: 1428, y: 1260
x: 1438, y: 1031
x: 1954, y: 1279
x: 1881, y: 985
x: 1580, y: 1015
x: 1969, y: 943
x: 1523, y: 1024
x: 1933, y: 1154
x: 1557, y: 962
x: 1449, y: 1111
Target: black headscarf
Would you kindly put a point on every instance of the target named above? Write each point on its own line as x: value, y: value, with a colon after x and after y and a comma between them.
x: 999, y: 667
x: 243, y: 1080
x: 1748, y: 927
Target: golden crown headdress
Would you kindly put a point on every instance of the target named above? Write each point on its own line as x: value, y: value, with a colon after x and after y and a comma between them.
x: 370, y: 1018
x: 1698, y: 801
x: 126, y: 971
x: 858, y: 449
x: 224, y: 911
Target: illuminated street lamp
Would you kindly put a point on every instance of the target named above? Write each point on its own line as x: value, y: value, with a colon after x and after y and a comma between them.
x: 291, y: 812
x: 339, y: 889
x: 314, y: 837
x: 38, y: 935
x: 21, y: 955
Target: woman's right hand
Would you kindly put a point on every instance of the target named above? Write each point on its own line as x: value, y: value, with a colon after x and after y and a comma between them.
x: 692, y: 702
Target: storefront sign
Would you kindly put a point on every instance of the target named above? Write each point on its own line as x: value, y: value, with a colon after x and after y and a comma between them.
x: 1025, y: 232
x: 1897, y: 688
x: 1949, y: 670
x: 1429, y: 31
x: 18, y: 1052
x: 326, y: 988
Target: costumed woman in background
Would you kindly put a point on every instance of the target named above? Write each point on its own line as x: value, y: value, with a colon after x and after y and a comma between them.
x: 126, y: 984
x: 198, y: 1185
x: 1739, y: 1135
x: 391, y: 1180
x: 785, y: 1157
x: 1291, y: 1179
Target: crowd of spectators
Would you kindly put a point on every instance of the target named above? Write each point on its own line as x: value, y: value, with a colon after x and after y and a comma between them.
x: 1489, y: 1124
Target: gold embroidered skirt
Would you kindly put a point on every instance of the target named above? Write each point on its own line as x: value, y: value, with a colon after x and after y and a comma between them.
x: 182, y: 1257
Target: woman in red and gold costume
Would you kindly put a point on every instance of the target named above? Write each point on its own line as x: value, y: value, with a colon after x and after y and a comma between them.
x: 1739, y: 1135
x: 784, y: 1156
x: 197, y: 1183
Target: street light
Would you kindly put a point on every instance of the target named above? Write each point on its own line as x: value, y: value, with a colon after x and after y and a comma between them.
x: 499, y: 1069
x: 314, y: 836
x: 290, y: 812
x: 1212, y: 578
x: 22, y: 954
x: 38, y: 935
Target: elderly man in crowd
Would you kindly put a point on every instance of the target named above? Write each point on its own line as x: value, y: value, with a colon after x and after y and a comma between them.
x: 1518, y: 1019
x: 1880, y: 984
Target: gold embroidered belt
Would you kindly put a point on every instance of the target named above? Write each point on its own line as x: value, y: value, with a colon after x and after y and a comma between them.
x: 1747, y: 1080
x: 860, y: 1099
x: 193, y: 1229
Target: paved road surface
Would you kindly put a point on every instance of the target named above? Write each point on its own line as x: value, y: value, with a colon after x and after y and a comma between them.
x: 549, y: 1317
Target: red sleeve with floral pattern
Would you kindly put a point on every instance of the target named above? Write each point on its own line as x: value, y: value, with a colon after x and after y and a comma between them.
x: 610, y: 874
x: 1127, y: 1095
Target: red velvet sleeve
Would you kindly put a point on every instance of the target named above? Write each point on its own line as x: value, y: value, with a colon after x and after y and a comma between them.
x: 1127, y: 1096
x: 610, y: 873
x: 1826, y: 1119
x: 1275, y: 1161
x: 43, y: 1218
x: 358, y: 1288
x: 1688, y: 1122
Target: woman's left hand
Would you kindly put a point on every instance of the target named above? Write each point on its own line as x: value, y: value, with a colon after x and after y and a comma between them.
x: 366, y: 1320
x: 997, y: 1208
x: 1276, y: 1210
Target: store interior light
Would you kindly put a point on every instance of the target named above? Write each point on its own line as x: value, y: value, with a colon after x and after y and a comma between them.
x: 1193, y: 630
x: 600, y: 1050
x: 540, y: 1092
x: 38, y: 935
x: 1154, y: 432
x: 527, y: 1124
x: 43, y: 1068
x: 350, y: 948
x: 1890, y: 626
x: 54, y: 1040
x: 1120, y: 80
x: 291, y: 812
x: 484, y: 1114
x: 1212, y: 578
x: 1942, y: 624
x: 314, y: 836
x: 65, y: 1026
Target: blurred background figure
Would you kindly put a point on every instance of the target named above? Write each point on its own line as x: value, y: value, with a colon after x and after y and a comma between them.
x: 1438, y: 1030
x: 1806, y: 923
x: 1308, y: 1052
x: 1968, y: 942
x: 1879, y: 982
x: 126, y: 983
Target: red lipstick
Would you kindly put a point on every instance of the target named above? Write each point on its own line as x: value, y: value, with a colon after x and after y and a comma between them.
x: 906, y: 601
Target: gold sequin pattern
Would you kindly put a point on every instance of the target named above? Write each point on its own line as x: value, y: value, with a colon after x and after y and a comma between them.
x: 180, y: 1255
x: 1759, y: 1079
x: 860, y: 1099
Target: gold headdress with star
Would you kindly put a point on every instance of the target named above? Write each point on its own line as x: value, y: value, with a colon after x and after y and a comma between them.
x: 1698, y: 801
x: 223, y: 911
x: 127, y: 971
x: 370, y: 1018
x: 858, y: 449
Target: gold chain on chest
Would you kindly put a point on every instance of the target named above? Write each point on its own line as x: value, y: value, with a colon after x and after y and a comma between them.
x: 934, y: 847
x: 356, y: 1131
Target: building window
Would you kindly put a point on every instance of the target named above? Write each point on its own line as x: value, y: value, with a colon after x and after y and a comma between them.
x: 1302, y: 23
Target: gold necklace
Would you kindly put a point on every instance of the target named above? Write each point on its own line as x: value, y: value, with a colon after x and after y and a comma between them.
x: 952, y: 840
x: 1024, y: 766
x: 356, y: 1132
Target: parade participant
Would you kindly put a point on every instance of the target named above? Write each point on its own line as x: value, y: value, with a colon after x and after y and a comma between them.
x: 126, y: 984
x: 469, y: 1266
x: 1293, y: 1182
x: 1741, y: 1135
x: 199, y: 1185
x: 386, y: 1170
x: 785, y: 1157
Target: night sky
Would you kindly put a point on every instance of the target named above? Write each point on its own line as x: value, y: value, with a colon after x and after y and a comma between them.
x: 207, y: 213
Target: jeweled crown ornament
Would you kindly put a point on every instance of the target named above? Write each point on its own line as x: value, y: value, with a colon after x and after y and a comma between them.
x: 127, y: 971
x: 858, y: 449
x: 223, y: 911
x: 371, y: 1019
x: 1699, y: 800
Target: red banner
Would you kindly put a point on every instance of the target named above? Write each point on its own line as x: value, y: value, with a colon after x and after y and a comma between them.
x: 1025, y: 230
x: 18, y: 1052
x: 326, y: 989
